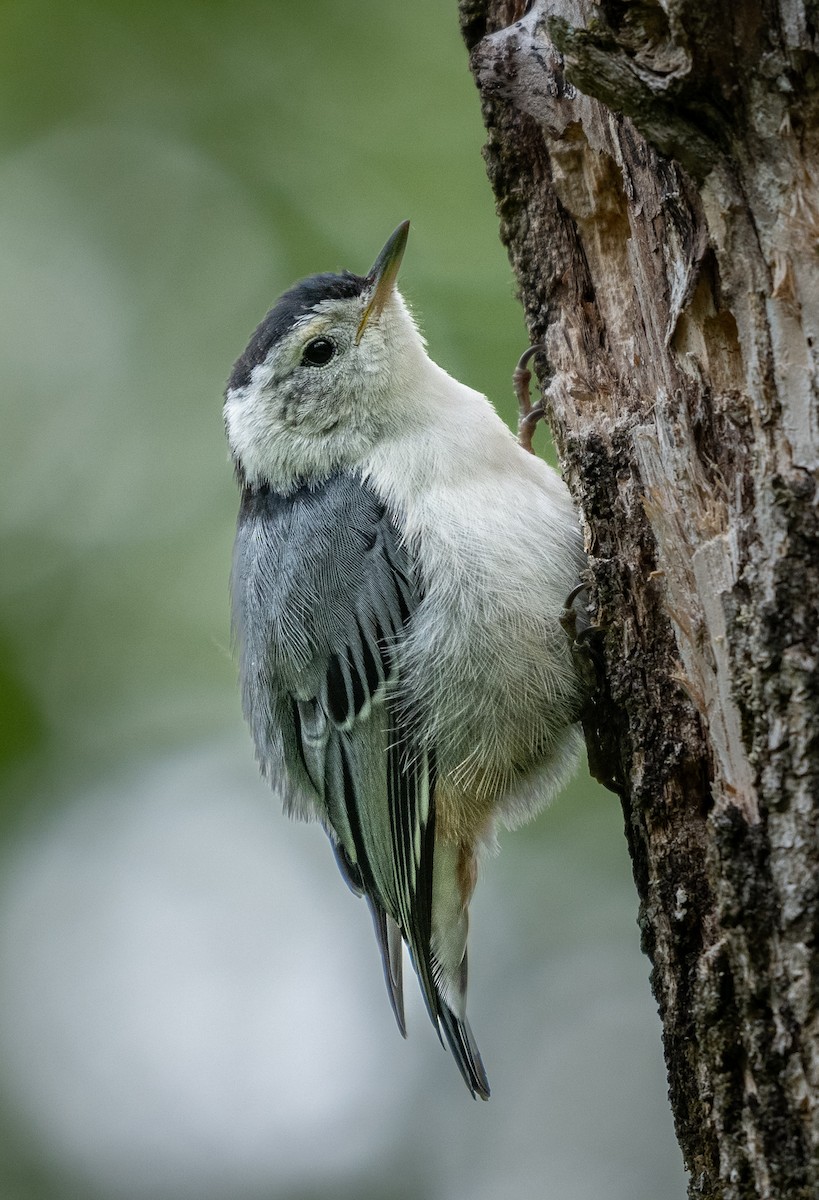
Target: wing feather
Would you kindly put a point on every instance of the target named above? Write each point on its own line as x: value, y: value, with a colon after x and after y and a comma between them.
x: 323, y: 589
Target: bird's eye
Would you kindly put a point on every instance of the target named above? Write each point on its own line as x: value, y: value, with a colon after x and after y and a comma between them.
x: 318, y: 352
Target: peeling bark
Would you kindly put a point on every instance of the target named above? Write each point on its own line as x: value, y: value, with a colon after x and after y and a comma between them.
x: 657, y: 181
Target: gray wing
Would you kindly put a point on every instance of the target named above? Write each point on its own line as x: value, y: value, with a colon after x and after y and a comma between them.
x: 322, y: 592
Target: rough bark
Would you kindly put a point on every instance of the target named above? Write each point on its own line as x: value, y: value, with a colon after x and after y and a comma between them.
x: 655, y: 167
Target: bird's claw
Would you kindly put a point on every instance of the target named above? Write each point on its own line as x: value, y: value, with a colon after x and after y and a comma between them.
x: 568, y: 614
x: 585, y: 643
x: 528, y: 414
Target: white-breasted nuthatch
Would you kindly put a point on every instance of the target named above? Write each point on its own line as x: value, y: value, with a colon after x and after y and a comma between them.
x: 399, y: 572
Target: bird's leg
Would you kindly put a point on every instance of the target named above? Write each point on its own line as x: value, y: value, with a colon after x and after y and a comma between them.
x: 528, y: 414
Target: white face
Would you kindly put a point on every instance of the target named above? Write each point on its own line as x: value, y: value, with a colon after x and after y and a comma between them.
x: 321, y: 396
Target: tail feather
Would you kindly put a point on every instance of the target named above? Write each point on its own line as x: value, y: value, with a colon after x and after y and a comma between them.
x: 441, y: 971
x: 388, y: 936
x: 456, y: 1030
x: 465, y: 1052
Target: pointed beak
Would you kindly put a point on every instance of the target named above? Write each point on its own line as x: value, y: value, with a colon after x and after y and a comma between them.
x: 382, y: 277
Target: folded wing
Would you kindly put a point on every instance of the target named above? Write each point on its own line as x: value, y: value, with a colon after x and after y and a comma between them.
x: 324, y: 593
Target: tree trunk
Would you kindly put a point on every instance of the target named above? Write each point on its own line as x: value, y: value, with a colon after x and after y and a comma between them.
x: 655, y: 166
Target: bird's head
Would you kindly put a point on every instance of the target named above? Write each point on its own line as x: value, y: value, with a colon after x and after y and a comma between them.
x: 321, y: 377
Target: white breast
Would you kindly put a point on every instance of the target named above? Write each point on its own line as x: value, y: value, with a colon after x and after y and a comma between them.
x: 498, y: 544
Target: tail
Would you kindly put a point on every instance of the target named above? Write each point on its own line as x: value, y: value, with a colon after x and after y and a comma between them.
x: 388, y: 936
x: 456, y: 1030
x: 465, y: 1051
x: 453, y: 883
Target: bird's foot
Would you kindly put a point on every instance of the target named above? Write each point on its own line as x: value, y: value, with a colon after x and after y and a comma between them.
x: 528, y: 414
x: 585, y: 643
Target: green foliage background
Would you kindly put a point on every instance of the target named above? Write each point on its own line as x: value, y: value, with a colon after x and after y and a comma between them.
x: 166, y: 169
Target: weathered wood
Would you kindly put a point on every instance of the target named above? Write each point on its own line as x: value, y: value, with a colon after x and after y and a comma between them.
x: 657, y: 182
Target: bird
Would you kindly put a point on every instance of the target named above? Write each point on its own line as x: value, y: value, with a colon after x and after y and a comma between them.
x: 399, y: 571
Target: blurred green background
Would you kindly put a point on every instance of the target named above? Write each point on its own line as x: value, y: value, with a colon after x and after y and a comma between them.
x: 190, y: 1003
